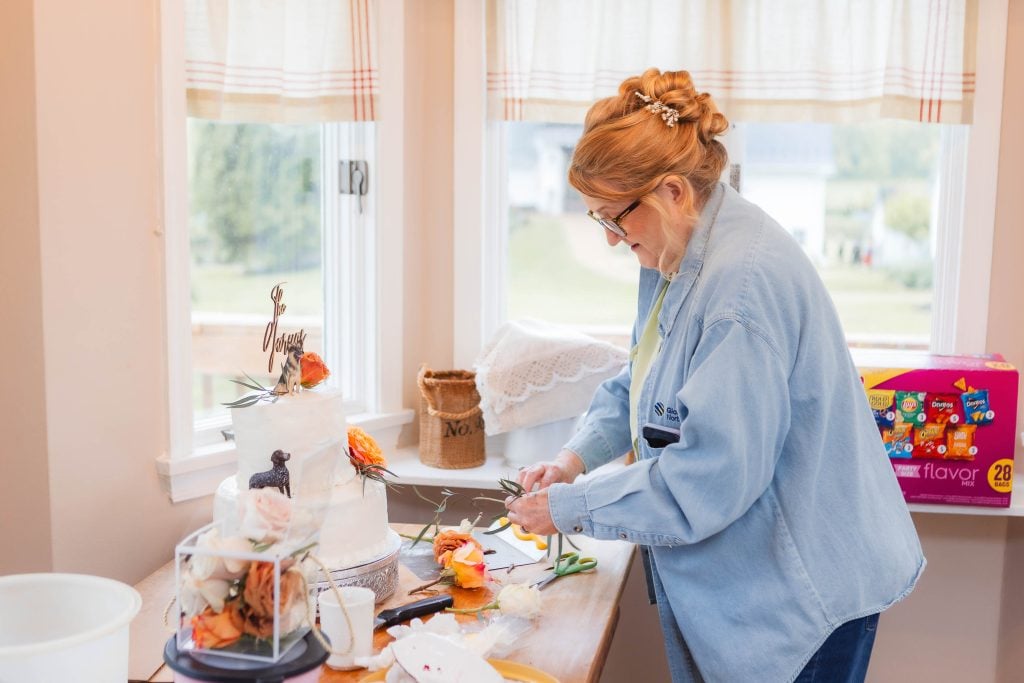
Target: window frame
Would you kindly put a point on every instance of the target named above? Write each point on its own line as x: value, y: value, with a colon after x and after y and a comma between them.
x: 198, y: 457
x: 966, y: 204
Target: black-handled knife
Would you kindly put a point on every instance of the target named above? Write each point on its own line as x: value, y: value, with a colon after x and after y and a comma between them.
x: 396, y: 615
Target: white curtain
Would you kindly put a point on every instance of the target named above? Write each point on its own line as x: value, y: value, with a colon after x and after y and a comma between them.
x: 283, y: 61
x: 761, y: 60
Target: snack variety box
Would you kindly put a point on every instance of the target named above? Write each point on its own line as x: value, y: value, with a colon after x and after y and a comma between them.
x: 948, y: 423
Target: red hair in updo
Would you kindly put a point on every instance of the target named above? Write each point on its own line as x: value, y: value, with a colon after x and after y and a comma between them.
x: 626, y: 150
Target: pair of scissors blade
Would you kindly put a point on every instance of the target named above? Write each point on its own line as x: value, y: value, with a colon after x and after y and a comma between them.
x: 539, y: 584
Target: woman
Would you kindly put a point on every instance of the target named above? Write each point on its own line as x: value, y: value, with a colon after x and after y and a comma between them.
x: 771, y: 524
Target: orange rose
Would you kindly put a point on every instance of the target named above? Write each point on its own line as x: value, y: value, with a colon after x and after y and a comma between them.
x: 259, y: 589
x: 467, y: 565
x: 215, y: 630
x: 363, y: 448
x: 448, y: 541
x: 313, y: 370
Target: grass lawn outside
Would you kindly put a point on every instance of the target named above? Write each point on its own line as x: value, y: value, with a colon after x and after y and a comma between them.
x: 561, y: 270
x: 228, y: 289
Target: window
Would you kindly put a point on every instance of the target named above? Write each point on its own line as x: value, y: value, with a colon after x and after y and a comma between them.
x: 859, y: 198
x: 559, y: 266
x: 265, y: 211
x: 250, y: 205
x: 894, y: 211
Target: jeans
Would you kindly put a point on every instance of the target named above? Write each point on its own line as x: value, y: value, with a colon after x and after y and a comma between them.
x: 843, y: 657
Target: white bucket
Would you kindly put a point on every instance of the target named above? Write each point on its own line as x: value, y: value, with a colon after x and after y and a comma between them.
x: 65, y: 627
x: 529, y: 445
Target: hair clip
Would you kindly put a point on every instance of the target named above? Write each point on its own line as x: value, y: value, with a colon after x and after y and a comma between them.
x: 667, y: 113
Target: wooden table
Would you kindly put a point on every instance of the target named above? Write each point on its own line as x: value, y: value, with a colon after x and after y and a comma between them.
x: 570, y: 641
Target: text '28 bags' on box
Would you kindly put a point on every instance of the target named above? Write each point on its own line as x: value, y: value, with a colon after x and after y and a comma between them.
x: 948, y: 423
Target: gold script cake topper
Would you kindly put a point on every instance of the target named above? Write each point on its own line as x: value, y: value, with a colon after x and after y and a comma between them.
x: 271, y: 340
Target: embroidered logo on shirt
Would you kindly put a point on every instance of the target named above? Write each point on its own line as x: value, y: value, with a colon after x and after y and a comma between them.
x: 662, y: 410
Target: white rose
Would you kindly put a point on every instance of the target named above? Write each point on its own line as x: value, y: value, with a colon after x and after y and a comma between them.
x: 466, y: 527
x: 519, y: 600
x: 213, y: 565
x: 196, y: 594
x: 266, y: 515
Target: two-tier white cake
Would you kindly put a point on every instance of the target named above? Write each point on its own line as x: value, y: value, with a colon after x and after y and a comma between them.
x: 310, y: 427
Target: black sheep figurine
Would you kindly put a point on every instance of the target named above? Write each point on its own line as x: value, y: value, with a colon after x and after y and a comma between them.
x: 276, y: 477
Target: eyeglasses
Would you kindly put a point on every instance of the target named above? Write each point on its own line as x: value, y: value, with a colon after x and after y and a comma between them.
x: 612, y: 224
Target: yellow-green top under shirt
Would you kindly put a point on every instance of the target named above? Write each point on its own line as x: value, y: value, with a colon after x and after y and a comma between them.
x: 643, y: 355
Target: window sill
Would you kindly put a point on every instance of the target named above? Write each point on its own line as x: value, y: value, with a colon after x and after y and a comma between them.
x: 201, y: 473
x: 406, y: 465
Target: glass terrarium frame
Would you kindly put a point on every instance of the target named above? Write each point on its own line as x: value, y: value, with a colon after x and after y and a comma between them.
x: 248, y: 647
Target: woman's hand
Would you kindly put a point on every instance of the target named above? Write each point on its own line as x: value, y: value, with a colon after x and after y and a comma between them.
x: 562, y: 470
x: 531, y: 513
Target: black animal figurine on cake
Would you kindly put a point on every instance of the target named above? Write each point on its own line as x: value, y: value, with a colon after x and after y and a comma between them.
x: 276, y: 477
x: 291, y: 372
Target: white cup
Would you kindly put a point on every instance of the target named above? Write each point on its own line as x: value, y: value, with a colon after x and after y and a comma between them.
x: 359, y: 641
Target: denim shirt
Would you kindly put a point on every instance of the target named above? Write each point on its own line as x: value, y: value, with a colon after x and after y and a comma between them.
x: 776, y: 517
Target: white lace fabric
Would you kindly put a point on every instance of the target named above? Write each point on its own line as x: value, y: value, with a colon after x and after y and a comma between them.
x: 532, y: 373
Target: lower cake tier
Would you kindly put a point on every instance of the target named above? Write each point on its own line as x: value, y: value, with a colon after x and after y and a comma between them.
x: 355, y: 528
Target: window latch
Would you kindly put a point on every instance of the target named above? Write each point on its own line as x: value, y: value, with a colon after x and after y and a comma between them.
x: 354, y: 179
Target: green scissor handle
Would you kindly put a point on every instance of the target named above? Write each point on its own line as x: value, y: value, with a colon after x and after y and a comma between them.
x: 571, y: 563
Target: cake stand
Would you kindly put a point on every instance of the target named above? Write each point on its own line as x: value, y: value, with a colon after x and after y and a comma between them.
x: 379, y: 574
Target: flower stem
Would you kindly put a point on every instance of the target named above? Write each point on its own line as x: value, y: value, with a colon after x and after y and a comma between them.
x: 413, y: 538
x: 426, y: 586
x: 475, y: 610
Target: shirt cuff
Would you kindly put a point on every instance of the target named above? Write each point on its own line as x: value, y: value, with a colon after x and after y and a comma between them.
x: 567, y: 504
x: 592, y: 448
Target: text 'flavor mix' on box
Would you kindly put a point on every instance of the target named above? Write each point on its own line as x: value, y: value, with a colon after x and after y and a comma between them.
x: 948, y: 423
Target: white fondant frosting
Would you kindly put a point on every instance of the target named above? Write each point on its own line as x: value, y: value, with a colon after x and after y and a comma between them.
x: 311, y: 427
x: 301, y: 425
x: 355, y: 528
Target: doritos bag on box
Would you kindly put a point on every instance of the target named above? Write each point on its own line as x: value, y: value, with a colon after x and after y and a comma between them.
x: 948, y: 423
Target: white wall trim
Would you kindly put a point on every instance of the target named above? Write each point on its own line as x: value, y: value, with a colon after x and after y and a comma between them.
x: 190, y: 465
x: 949, y: 237
x: 174, y: 225
x: 470, y: 295
x: 982, y: 171
x: 390, y: 226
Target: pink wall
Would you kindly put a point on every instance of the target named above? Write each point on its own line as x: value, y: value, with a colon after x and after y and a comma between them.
x: 25, y: 485
x: 89, y: 152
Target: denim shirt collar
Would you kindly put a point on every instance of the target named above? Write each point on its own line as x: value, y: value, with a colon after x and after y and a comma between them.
x: 689, y: 268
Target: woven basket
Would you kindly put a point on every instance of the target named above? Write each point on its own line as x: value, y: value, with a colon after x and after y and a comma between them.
x: 451, y: 421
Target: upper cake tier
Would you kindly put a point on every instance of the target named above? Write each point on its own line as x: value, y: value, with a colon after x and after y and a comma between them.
x: 301, y: 425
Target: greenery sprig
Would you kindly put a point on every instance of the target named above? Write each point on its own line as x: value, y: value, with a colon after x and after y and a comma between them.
x: 513, y: 489
x: 262, y: 394
x: 371, y: 471
x: 439, y: 508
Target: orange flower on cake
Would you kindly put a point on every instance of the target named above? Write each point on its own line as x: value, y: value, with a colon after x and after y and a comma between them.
x: 313, y: 370
x: 363, y: 449
x: 217, y: 629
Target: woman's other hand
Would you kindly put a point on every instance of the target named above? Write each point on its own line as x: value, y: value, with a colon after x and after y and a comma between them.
x: 531, y: 513
x: 562, y: 470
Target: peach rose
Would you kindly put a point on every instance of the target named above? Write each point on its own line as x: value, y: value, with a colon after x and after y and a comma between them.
x: 215, y: 630
x: 313, y: 370
x: 467, y: 564
x: 363, y: 448
x: 259, y: 589
x: 267, y: 515
x: 450, y: 540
